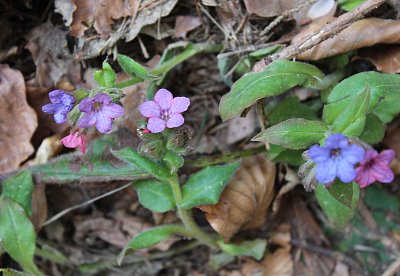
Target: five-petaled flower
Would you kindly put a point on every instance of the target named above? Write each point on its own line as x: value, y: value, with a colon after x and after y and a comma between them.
x: 61, y: 104
x: 336, y: 159
x: 99, y: 111
x: 164, y: 111
x: 375, y: 167
x: 75, y: 140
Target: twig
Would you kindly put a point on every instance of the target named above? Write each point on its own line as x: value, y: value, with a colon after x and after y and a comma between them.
x: 324, y: 33
x: 330, y: 253
x: 83, y: 204
x: 393, y: 268
x: 284, y: 15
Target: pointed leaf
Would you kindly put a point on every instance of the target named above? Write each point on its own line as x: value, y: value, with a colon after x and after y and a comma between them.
x: 277, y: 78
x: 17, y: 235
x: 151, y: 237
x: 133, y: 68
x: 374, y: 130
x: 293, y: 133
x: 142, y: 162
x: 205, y: 187
x: 19, y: 189
x: 174, y: 161
x: 255, y: 248
x: 339, y: 202
x: 155, y: 195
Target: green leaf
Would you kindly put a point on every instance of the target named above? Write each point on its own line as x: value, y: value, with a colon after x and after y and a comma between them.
x: 155, y: 195
x: 17, y: 235
x: 348, y: 5
x: 293, y: 133
x: 97, y: 163
x: 290, y: 108
x: 381, y: 87
x: 388, y: 109
x: 151, y: 237
x: 351, y: 120
x: 19, y: 189
x: 205, y: 187
x: 11, y: 272
x: 174, y: 161
x: 255, y: 248
x: 105, y: 77
x: 133, y: 68
x: 378, y: 198
x: 339, y: 202
x: 277, y: 78
x: 217, y: 261
x: 279, y: 154
x: 143, y: 163
x: 374, y: 130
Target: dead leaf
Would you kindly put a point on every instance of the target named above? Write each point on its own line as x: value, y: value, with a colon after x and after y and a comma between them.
x: 184, y: 24
x: 50, y: 147
x: 245, y: 201
x: 386, y: 58
x: 39, y: 206
x: 100, y: 13
x: 18, y: 120
x: 368, y: 32
x: 240, y: 128
x: 292, y: 180
x: 321, y: 8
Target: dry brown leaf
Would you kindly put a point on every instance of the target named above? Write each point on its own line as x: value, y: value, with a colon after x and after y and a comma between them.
x: 100, y: 13
x: 39, y: 206
x: 245, y: 201
x: 184, y: 24
x: 240, y: 128
x: 368, y: 32
x: 18, y: 120
x: 386, y: 58
x: 292, y: 180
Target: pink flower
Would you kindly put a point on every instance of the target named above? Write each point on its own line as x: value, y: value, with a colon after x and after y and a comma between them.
x: 75, y: 140
x: 375, y: 167
x: 164, y: 111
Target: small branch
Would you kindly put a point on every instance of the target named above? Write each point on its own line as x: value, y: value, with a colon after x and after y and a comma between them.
x: 393, y: 268
x: 323, y: 34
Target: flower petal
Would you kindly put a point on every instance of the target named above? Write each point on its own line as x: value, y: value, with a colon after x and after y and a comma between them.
x: 163, y: 97
x: 112, y: 110
x: 386, y: 156
x: 175, y: 120
x: 86, y: 105
x: 60, y: 117
x: 326, y: 171
x: 382, y: 172
x: 102, y: 98
x: 353, y: 153
x: 87, y: 120
x: 336, y: 140
x: 345, y: 170
x: 179, y: 104
x: 156, y: 125
x: 71, y: 141
x: 67, y: 100
x: 150, y: 109
x: 318, y: 154
x: 103, y: 122
x: 55, y: 96
x: 50, y: 108
x: 364, y: 177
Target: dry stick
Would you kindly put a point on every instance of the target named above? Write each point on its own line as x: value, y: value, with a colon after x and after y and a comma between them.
x: 393, y: 268
x: 324, y: 33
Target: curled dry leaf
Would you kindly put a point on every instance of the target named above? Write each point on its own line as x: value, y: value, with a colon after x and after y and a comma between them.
x: 245, y: 201
x: 386, y: 58
x: 368, y: 32
x: 292, y: 180
x: 18, y: 120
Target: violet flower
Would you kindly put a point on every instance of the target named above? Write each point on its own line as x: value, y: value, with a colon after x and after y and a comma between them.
x: 75, y: 140
x: 164, y: 111
x: 375, y: 167
x: 100, y: 111
x: 61, y: 104
x: 336, y: 159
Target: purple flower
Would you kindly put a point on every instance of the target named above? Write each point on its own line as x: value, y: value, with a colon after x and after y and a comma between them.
x: 336, y: 159
x: 164, y: 111
x: 100, y: 111
x: 61, y: 104
x: 375, y: 167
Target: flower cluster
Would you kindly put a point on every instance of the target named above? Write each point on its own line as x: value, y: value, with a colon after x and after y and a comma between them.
x: 99, y: 111
x: 338, y: 158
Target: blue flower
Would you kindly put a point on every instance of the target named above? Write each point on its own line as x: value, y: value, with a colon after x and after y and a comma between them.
x: 61, y: 104
x: 336, y: 159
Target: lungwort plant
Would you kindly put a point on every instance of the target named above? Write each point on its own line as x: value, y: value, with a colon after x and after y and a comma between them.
x: 331, y: 137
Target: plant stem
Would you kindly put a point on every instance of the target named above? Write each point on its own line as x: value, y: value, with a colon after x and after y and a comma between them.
x: 186, y: 216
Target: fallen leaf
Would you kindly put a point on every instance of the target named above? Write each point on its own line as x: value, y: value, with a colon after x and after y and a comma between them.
x: 184, y: 24
x: 18, y: 120
x: 240, y: 128
x: 368, y: 32
x: 50, y: 147
x: 292, y: 180
x: 245, y: 201
x: 386, y: 58
x: 100, y: 13
x: 321, y: 8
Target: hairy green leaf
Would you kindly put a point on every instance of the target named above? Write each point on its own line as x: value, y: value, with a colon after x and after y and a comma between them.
x: 133, y: 68
x: 155, y: 195
x: 19, y: 189
x: 255, y: 248
x: 374, y: 130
